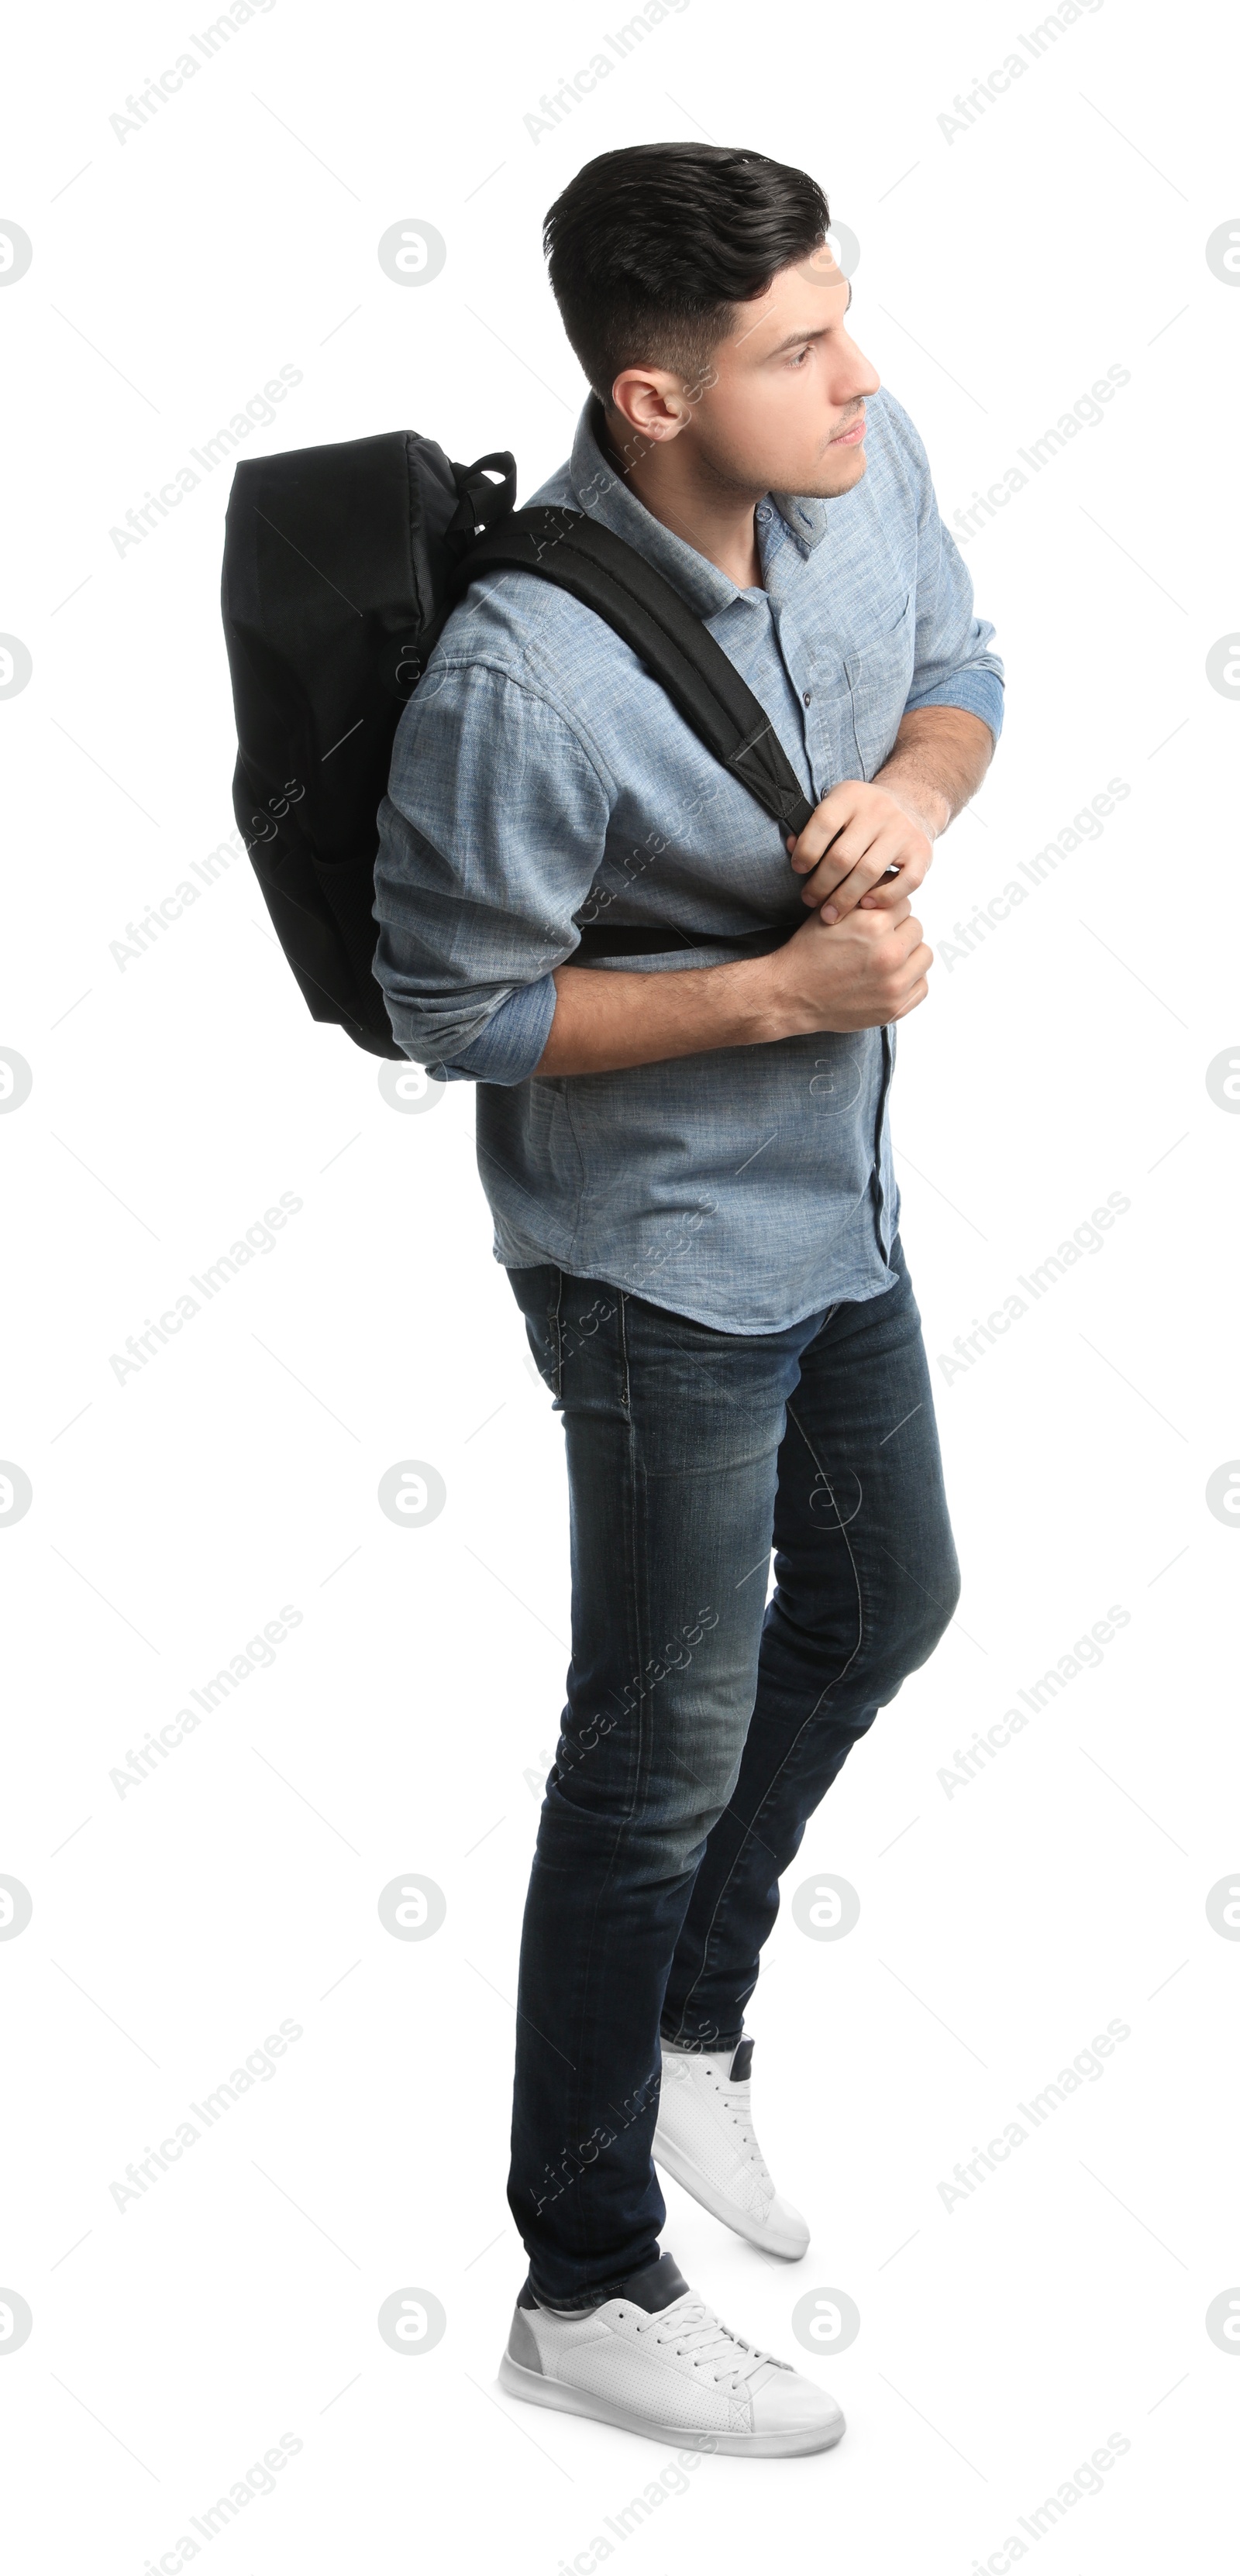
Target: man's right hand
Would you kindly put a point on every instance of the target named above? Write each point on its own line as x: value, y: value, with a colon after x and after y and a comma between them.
x: 857, y: 973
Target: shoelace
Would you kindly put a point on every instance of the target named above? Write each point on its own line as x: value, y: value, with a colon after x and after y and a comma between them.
x: 701, y: 2337
x: 735, y: 2100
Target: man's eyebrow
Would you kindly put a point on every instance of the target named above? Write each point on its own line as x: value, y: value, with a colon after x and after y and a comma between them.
x: 797, y: 339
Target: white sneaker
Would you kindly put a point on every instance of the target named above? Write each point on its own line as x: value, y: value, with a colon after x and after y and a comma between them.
x: 657, y: 2360
x: 705, y: 2137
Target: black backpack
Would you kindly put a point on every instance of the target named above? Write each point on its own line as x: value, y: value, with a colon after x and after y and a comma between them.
x: 341, y: 565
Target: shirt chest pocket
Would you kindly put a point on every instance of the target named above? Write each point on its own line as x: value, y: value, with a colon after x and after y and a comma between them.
x: 879, y: 672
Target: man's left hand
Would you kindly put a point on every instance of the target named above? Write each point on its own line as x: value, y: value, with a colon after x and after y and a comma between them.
x: 868, y: 833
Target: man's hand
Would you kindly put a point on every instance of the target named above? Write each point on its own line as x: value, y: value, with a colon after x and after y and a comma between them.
x: 857, y: 962
x: 851, y: 842
x: 857, y: 973
x: 938, y: 761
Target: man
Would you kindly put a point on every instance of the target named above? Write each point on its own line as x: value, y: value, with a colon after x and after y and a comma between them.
x: 687, y: 1158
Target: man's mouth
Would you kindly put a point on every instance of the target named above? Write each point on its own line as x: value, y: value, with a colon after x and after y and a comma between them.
x: 852, y: 436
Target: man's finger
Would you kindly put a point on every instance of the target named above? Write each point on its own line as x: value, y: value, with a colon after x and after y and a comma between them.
x: 851, y: 806
x: 891, y: 889
x: 814, y: 842
x: 859, y: 842
x: 838, y: 845
x: 868, y: 871
x: 919, y: 961
x: 911, y: 1000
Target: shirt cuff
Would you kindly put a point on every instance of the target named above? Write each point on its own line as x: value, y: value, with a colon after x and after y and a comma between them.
x: 978, y: 692
x: 507, y: 1049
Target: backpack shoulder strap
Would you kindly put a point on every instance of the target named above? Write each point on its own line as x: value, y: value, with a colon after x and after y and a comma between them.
x: 611, y: 577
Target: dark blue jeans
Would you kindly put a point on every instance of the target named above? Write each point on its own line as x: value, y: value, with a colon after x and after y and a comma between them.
x: 702, y: 1726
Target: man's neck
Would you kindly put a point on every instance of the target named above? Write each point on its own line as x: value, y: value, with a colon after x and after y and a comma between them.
x: 668, y: 479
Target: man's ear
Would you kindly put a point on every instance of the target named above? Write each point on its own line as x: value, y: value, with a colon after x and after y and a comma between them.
x: 652, y: 402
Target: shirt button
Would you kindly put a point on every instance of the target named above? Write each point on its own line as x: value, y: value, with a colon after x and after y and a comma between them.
x: 808, y: 693
x: 763, y: 512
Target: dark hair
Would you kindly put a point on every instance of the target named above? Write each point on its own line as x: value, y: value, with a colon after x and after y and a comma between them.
x: 651, y: 248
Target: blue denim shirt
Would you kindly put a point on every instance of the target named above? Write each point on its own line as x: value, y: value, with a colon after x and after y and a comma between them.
x: 541, y: 780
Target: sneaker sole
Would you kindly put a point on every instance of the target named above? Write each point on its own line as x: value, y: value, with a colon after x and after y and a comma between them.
x: 560, y: 2395
x: 717, y: 2202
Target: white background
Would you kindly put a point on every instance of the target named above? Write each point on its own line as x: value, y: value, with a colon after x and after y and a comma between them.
x: 405, y: 1725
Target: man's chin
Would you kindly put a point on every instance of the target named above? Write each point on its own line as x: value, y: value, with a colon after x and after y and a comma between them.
x: 837, y: 474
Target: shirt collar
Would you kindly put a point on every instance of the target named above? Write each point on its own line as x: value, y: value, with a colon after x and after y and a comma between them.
x: 600, y: 490
x: 804, y: 517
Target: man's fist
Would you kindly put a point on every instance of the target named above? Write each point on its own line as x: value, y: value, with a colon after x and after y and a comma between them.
x: 858, y: 973
x: 850, y: 842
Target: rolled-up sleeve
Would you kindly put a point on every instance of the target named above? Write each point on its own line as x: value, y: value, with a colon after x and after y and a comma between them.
x: 954, y: 665
x: 490, y: 838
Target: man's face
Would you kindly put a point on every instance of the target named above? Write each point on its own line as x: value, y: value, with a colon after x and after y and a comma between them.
x: 786, y: 412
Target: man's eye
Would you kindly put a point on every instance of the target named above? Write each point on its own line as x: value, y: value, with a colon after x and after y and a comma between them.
x: 800, y: 358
